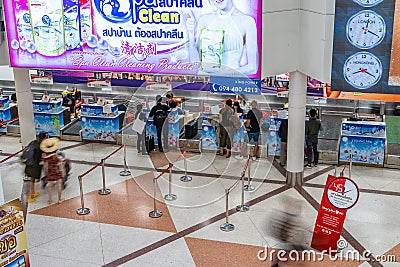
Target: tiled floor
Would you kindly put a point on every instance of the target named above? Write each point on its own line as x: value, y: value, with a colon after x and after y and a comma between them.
x: 119, y: 232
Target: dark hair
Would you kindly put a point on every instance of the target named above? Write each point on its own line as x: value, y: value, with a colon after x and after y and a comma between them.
x: 158, y: 98
x: 170, y: 95
x: 228, y: 102
x: 313, y: 112
x: 236, y: 104
x: 42, y: 135
x: 172, y: 104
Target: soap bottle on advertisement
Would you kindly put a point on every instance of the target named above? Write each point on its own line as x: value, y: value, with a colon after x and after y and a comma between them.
x: 24, y: 29
x: 47, y: 21
x: 86, y: 20
x: 72, y: 24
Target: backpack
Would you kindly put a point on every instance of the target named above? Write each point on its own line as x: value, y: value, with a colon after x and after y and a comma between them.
x: 235, y: 122
x: 28, y: 155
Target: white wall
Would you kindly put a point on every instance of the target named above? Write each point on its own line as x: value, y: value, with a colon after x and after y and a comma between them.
x: 298, y: 35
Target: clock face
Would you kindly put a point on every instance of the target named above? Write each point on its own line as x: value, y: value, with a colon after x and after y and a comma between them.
x: 342, y: 193
x: 368, y: 3
x: 365, y: 29
x: 362, y: 70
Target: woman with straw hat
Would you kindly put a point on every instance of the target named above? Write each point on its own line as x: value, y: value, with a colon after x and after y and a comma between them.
x: 52, y: 166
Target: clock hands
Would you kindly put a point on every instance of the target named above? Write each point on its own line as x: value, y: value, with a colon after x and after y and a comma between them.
x: 373, y: 33
x: 362, y: 70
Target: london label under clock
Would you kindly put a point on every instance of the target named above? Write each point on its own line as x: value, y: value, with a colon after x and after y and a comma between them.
x: 368, y: 3
x: 365, y: 29
x: 362, y: 70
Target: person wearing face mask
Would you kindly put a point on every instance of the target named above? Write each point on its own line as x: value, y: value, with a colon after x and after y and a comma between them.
x: 234, y: 45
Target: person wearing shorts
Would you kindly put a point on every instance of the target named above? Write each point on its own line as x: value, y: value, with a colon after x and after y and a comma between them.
x: 253, y: 122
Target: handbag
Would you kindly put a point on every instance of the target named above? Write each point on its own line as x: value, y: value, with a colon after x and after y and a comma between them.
x: 138, y: 126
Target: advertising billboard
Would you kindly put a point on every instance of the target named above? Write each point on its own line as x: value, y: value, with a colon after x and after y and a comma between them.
x: 363, y: 45
x: 193, y: 37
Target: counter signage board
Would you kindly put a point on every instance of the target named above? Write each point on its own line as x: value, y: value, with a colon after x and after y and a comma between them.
x: 364, y: 129
x: 41, y: 77
x: 188, y: 37
x: 14, y: 246
x: 242, y: 86
x: 366, y: 150
x: 340, y: 194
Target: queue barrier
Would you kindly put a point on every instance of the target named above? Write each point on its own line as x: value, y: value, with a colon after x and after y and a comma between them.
x: 186, y: 177
x: 155, y: 213
x: 350, y: 164
x: 125, y: 172
x: 103, y: 191
x: 11, y: 156
x: 226, y: 226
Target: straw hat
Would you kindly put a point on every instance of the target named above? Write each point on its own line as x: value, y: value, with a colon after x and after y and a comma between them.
x: 49, y: 145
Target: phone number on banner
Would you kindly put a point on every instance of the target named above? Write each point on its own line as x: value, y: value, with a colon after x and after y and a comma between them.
x: 235, y: 86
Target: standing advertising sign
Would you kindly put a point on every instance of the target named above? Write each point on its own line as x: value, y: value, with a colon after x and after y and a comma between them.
x: 340, y: 194
x: 14, y: 247
x: 192, y: 37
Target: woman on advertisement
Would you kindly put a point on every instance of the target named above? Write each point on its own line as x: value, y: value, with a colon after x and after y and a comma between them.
x: 224, y: 41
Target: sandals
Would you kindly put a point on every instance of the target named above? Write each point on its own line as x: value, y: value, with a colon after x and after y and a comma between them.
x: 49, y: 202
x: 61, y: 201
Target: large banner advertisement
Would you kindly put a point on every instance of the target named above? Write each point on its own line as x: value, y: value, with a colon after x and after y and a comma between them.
x: 217, y: 37
x: 14, y: 247
x: 363, y: 45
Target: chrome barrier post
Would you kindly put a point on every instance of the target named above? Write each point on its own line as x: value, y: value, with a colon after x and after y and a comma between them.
x: 104, y: 190
x: 227, y: 227
x: 350, y: 165
x: 82, y: 210
x: 335, y: 171
x: 249, y: 187
x: 242, y: 206
x: 170, y: 196
x: 185, y: 178
x: 125, y: 172
x: 155, y: 213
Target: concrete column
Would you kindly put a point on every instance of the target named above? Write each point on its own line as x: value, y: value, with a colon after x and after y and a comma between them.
x: 24, y: 100
x: 295, y: 144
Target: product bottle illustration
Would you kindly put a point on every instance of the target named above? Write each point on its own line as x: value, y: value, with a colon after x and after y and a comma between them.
x: 24, y: 29
x: 47, y: 21
x: 72, y: 24
x: 211, y: 48
x: 86, y: 21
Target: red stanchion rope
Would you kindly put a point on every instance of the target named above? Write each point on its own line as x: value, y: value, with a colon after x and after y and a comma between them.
x: 9, y: 157
x: 241, y: 177
x: 118, y: 149
x: 5, y: 122
x: 164, y: 171
x: 98, y: 164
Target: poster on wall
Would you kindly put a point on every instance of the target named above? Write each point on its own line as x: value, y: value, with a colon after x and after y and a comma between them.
x: 14, y: 246
x: 362, y: 46
x: 222, y: 38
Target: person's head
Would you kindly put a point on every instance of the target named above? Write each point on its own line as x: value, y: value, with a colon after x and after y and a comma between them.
x: 224, y: 5
x: 158, y: 98
x: 172, y: 104
x: 228, y: 102
x: 254, y: 104
x: 169, y: 96
x: 139, y: 107
x: 42, y: 135
x: 313, y: 113
x: 236, y: 105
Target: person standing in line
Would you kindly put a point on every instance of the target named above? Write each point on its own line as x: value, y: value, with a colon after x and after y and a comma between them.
x: 283, y: 133
x: 53, y: 166
x: 141, y: 143
x: 32, y: 174
x: 313, y: 126
x: 159, y: 113
x: 253, y: 122
x: 237, y: 108
x: 226, y: 128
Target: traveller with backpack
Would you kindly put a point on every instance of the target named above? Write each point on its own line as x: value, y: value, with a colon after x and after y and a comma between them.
x: 159, y: 113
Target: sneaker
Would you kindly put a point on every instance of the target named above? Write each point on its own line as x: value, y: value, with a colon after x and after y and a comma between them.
x: 238, y: 157
x: 254, y: 158
x: 315, y: 164
x: 307, y: 165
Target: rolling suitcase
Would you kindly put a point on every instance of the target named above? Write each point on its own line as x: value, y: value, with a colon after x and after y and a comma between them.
x: 150, y: 144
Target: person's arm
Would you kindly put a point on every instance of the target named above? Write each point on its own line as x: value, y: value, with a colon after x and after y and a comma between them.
x: 152, y: 111
x: 251, y: 43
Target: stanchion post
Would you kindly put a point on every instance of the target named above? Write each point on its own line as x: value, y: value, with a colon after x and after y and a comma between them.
x: 155, y: 213
x: 104, y: 190
x: 335, y: 171
x: 249, y: 187
x: 242, y: 206
x: 82, y: 210
x: 227, y: 227
x: 125, y: 172
x: 170, y: 196
x: 350, y: 164
x: 185, y: 178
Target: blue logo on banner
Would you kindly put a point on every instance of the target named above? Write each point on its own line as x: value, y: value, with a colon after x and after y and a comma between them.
x: 240, y: 86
